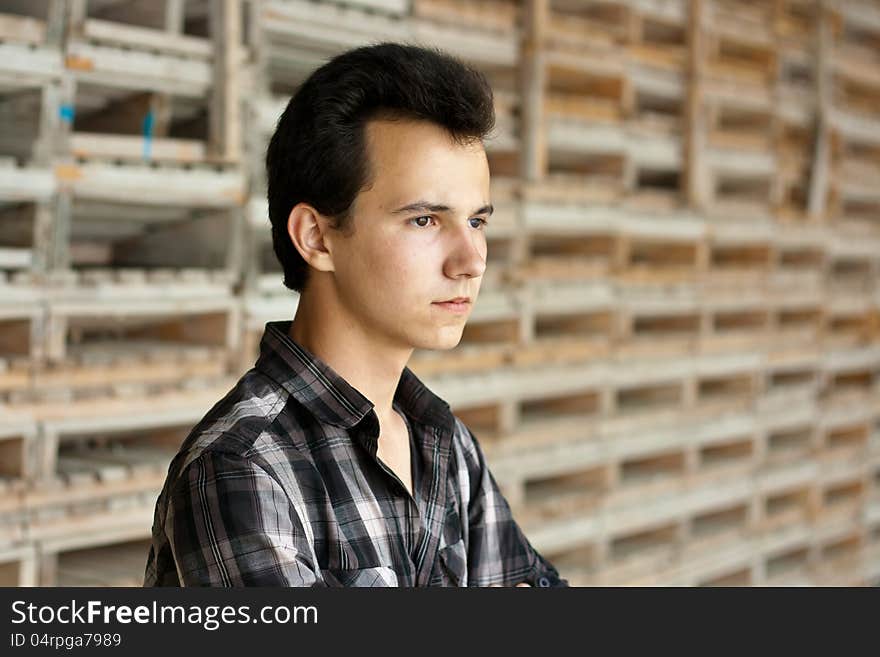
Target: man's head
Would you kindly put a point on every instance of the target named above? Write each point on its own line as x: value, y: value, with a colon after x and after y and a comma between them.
x: 374, y: 130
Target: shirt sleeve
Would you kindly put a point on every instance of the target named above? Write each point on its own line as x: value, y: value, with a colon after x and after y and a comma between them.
x: 230, y: 523
x: 498, y: 550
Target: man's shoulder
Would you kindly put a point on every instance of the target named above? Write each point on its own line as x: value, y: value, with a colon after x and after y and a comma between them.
x: 465, y: 441
x: 243, y: 424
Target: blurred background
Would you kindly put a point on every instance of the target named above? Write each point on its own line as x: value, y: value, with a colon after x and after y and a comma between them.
x: 674, y: 362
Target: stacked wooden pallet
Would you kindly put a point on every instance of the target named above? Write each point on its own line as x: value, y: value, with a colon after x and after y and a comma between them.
x: 674, y: 362
x: 30, y: 74
x: 122, y: 206
x: 852, y: 95
x: 717, y: 320
x: 799, y: 45
x: 737, y: 42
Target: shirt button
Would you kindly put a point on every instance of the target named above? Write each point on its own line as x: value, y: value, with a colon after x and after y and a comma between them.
x: 543, y: 582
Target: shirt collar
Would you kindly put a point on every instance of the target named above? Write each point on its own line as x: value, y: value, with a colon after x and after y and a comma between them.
x: 328, y: 396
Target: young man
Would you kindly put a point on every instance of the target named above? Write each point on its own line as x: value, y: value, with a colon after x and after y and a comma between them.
x: 330, y: 462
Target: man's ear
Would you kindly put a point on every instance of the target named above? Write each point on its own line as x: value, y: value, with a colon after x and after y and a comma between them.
x: 308, y: 230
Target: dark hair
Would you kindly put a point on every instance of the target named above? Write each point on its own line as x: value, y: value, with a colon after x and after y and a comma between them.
x: 318, y: 152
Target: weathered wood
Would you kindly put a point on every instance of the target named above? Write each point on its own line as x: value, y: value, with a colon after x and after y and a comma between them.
x: 695, y: 138
x: 153, y: 186
x: 225, y: 142
x: 18, y: 566
x: 170, y: 41
x: 120, y: 564
x: 22, y: 28
x: 672, y: 383
x: 130, y: 147
x: 137, y: 70
x: 533, y: 72
x: 819, y: 175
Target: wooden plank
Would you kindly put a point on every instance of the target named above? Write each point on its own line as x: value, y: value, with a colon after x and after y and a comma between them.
x: 613, y: 356
x: 120, y: 564
x: 26, y: 184
x: 119, y: 34
x: 130, y: 147
x: 533, y: 162
x: 327, y: 28
x: 15, y: 258
x: 224, y: 110
x: 24, y: 29
x: 153, y: 186
x: 56, y: 17
x: 139, y: 71
x: 18, y: 566
x: 695, y: 138
x: 22, y: 66
x: 495, y: 15
x: 95, y: 529
x: 175, y: 17
x: 817, y: 200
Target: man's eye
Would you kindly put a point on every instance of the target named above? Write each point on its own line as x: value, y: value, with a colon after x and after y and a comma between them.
x: 483, y: 223
x: 422, y: 217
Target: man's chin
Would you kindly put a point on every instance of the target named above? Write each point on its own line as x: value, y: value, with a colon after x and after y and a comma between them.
x: 441, y: 342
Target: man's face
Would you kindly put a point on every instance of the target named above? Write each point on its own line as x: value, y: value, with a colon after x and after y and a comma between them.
x: 398, y: 263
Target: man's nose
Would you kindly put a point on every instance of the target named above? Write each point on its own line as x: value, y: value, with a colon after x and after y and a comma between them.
x: 467, y: 254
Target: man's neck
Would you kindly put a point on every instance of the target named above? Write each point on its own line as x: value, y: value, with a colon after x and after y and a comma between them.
x: 369, y: 366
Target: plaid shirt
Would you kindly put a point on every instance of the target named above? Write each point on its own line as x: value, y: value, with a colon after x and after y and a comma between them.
x: 279, y: 485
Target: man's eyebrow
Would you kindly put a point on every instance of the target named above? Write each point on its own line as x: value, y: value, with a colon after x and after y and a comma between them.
x: 425, y: 206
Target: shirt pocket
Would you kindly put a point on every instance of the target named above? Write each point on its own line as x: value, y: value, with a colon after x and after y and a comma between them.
x: 375, y: 576
x: 451, y: 569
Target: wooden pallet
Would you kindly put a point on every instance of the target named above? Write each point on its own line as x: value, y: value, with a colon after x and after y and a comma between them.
x: 672, y: 365
x: 120, y: 564
x: 799, y: 108
x: 567, y: 323
x: 22, y: 329
x: 853, y: 91
x: 740, y: 181
x: 741, y: 41
x: 327, y: 28
x: 124, y: 369
x: 611, y: 521
x: 155, y: 421
x: 26, y: 243
x: 587, y: 95
x: 62, y: 541
x: 171, y: 64
x: 659, y: 38
x: 576, y: 28
x: 162, y: 185
x: 731, y: 553
x: 18, y: 452
x: 190, y: 307
x: 174, y: 77
x: 131, y: 237
x: 18, y: 566
x: 27, y: 66
x: 496, y: 15
x: 657, y: 99
x: 108, y: 498
x: 21, y: 184
x: 648, y: 330
x: 26, y: 112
